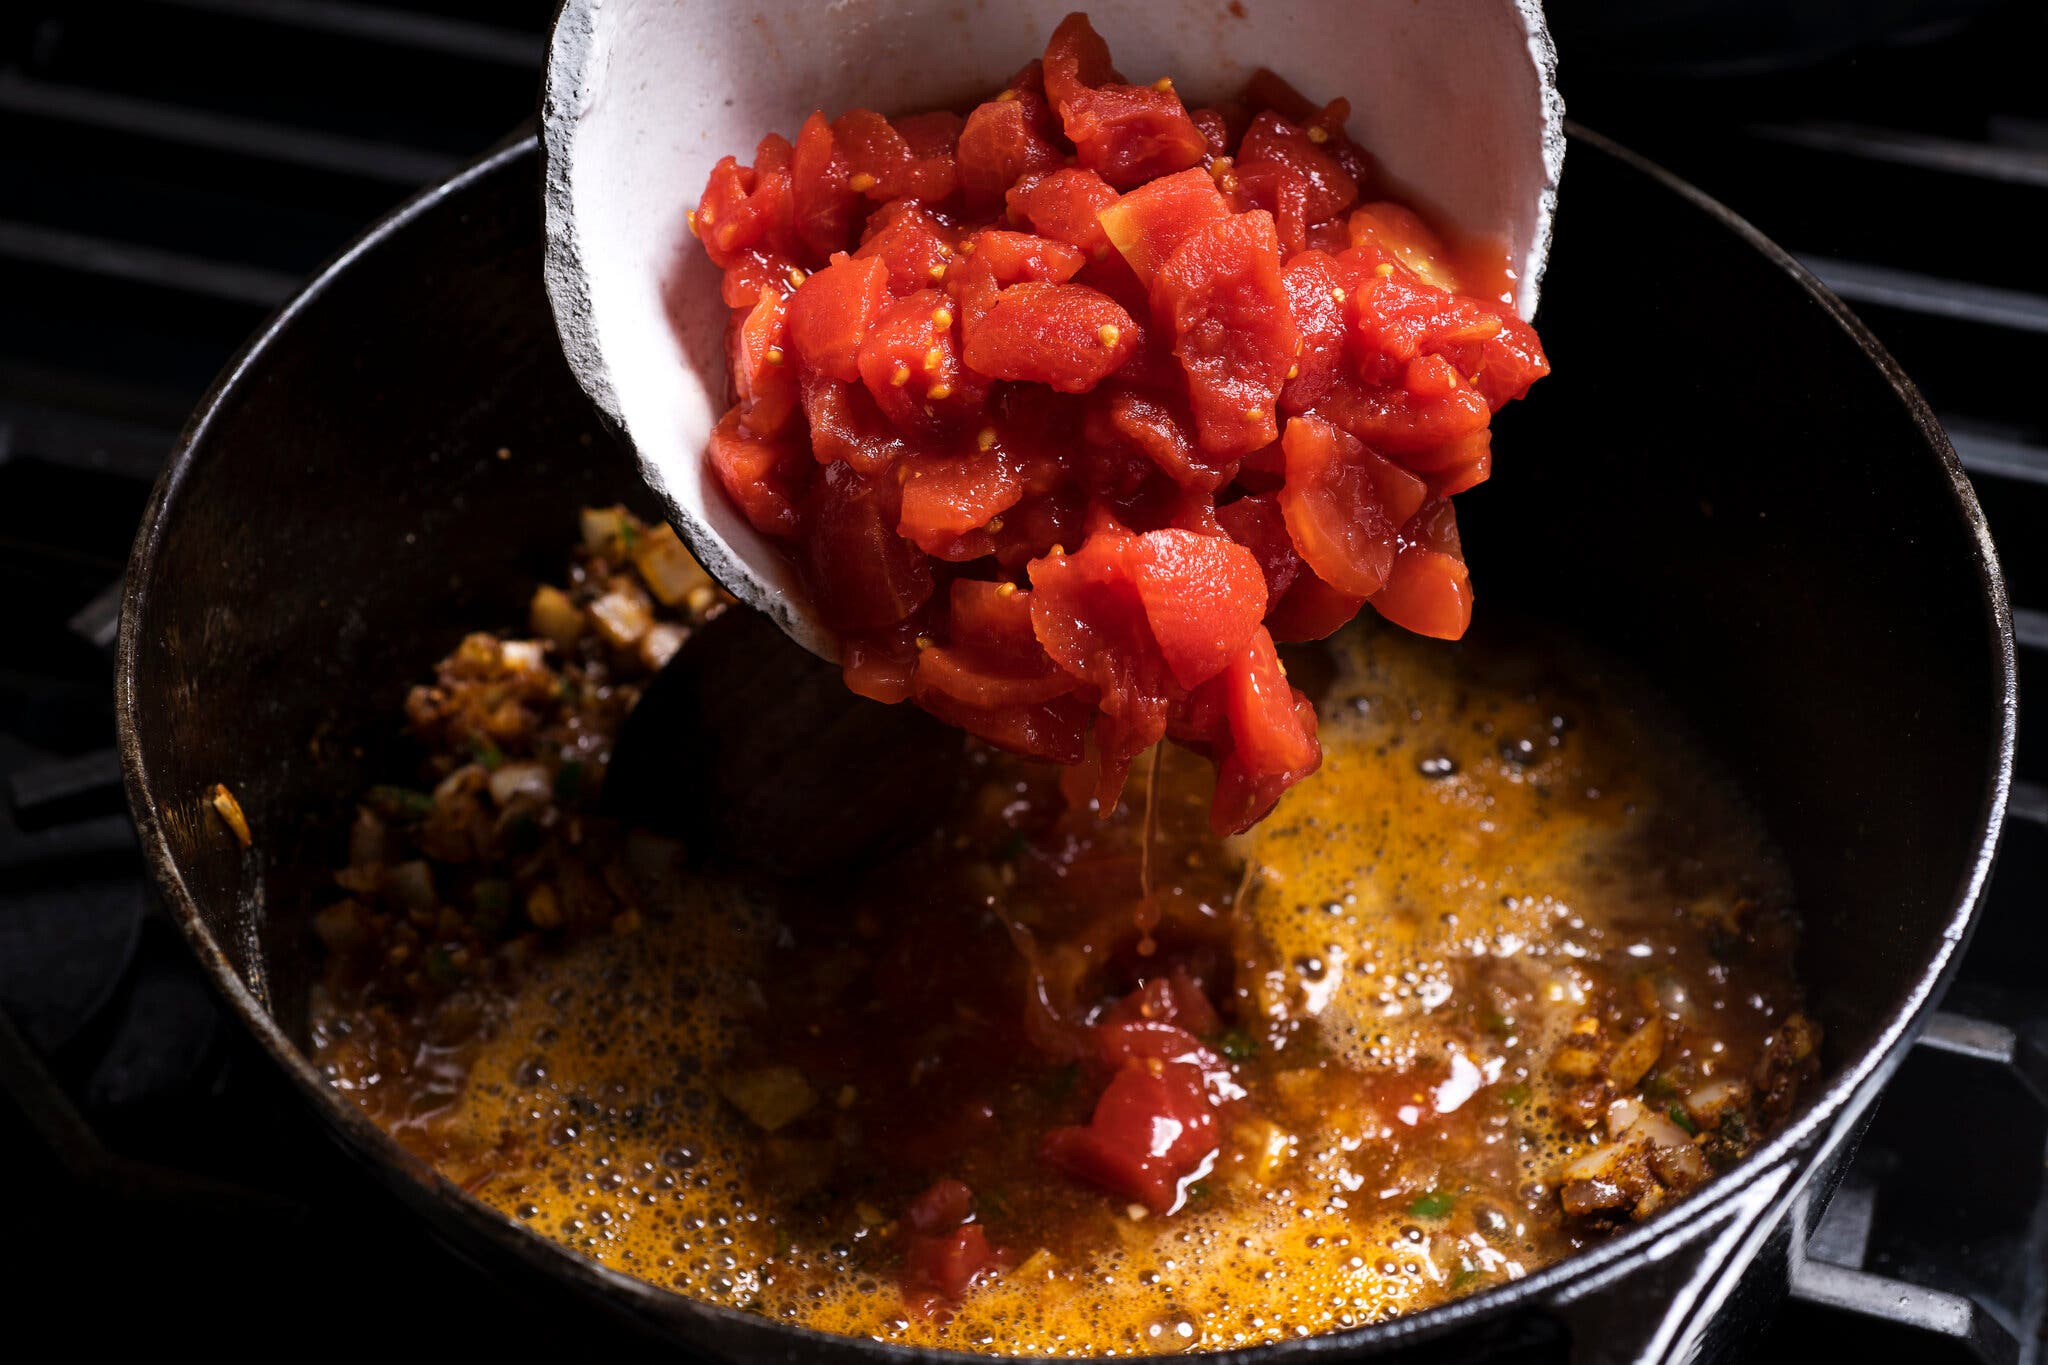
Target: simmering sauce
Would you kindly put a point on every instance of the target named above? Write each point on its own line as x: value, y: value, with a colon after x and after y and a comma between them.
x: 1512, y: 968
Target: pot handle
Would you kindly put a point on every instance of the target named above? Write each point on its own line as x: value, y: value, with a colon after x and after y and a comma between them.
x: 1693, y: 1272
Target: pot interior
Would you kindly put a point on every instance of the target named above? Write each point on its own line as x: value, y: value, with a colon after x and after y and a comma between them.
x: 1718, y: 485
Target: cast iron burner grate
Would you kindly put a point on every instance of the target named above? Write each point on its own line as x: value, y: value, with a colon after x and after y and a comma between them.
x: 173, y: 167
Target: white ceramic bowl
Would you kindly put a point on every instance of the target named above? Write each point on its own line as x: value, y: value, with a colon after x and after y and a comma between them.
x: 1456, y: 98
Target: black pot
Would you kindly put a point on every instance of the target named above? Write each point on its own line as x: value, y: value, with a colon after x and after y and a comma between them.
x: 1726, y: 481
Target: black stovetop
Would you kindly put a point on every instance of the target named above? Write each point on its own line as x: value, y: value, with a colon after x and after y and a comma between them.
x: 172, y: 167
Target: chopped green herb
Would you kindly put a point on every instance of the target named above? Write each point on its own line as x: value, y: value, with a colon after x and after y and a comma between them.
x: 401, y: 803
x: 1014, y: 847
x: 1684, y: 1120
x: 1500, y: 1025
x: 782, y: 1243
x: 991, y: 1203
x: 1198, y: 1190
x: 1435, y: 1204
x: 1063, y: 1082
x: 486, y: 751
x: 569, y: 780
x: 1734, y: 1126
x: 1236, y: 1044
x: 1465, y: 1274
x: 1658, y: 1086
x: 1516, y: 1094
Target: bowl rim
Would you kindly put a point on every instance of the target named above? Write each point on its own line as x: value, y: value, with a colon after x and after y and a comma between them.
x: 1754, y: 1194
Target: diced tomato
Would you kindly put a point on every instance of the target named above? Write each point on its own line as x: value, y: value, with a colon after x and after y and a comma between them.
x: 911, y: 364
x: 1129, y: 134
x: 825, y: 205
x: 1429, y: 590
x: 1006, y: 140
x: 747, y: 207
x: 1222, y: 295
x: 946, y: 496
x: 1171, y: 999
x: 1400, y: 423
x: 762, y: 370
x: 1157, y: 428
x: 1273, y: 140
x: 909, y: 242
x: 945, y: 1253
x: 1343, y: 505
x: 1155, y: 1128
x: 1256, y: 522
x: 909, y: 159
x: 1311, y: 609
x: 1203, y: 596
x: 847, y: 425
x: 1400, y: 231
x: 1066, y: 206
x: 1076, y: 59
x: 1313, y: 297
x: 1066, y: 335
x: 1056, y: 340
x: 1149, y: 223
x: 862, y: 575
x: 765, y: 475
x: 878, y: 665
x: 831, y: 311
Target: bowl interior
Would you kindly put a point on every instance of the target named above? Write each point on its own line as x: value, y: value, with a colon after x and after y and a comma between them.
x: 644, y: 97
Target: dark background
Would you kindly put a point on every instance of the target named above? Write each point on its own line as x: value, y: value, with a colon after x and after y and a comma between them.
x: 169, y: 169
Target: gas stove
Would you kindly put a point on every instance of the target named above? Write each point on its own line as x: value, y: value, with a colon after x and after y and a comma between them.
x: 174, y: 167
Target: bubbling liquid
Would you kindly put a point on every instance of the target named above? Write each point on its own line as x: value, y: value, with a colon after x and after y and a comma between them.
x: 1492, y: 868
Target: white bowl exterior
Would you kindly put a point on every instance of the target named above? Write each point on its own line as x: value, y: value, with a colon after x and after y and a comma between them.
x: 1454, y: 97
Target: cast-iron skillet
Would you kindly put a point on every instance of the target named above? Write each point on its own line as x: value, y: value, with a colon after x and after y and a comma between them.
x: 1726, y: 481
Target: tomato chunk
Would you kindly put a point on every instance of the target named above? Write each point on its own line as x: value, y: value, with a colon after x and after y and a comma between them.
x: 1067, y: 409
x: 1233, y: 330
x: 1343, y: 505
x: 831, y: 311
x: 862, y: 575
x: 1428, y: 590
x: 1149, y: 223
x: 1067, y: 336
